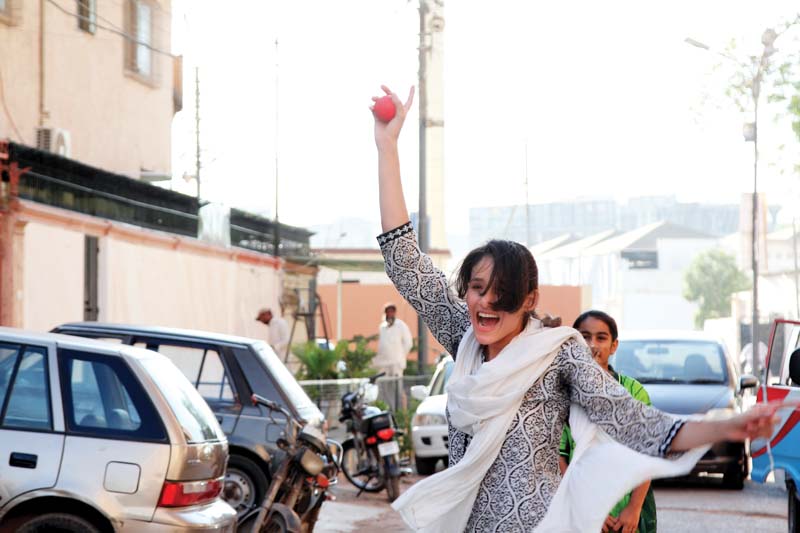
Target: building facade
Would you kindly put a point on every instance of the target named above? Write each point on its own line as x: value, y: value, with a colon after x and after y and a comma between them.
x: 636, y: 276
x: 91, y: 80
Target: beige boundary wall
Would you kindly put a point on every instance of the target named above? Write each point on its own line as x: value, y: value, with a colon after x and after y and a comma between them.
x: 144, y: 277
x: 362, y: 306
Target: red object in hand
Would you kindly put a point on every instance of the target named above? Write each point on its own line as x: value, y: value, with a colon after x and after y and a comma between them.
x: 384, y: 108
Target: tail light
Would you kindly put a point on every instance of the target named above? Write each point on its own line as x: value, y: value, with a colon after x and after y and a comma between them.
x: 386, y: 434
x: 322, y: 481
x: 371, y: 440
x: 185, y: 493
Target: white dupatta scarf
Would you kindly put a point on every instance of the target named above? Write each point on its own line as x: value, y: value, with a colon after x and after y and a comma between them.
x: 483, y: 400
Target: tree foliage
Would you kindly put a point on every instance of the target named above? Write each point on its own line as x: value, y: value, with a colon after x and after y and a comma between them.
x: 357, y: 356
x: 710, y: 281
x: 777, y: 76
x: 316, y: 362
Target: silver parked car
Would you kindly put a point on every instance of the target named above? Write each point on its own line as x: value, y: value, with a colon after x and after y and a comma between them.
x: 226, y: 371
x: 96, y: 437
x: 688, y: 373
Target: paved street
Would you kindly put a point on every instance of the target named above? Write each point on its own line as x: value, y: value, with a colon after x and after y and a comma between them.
x: 362, y: 514
x: 703, y: 506
x: 697, y: 506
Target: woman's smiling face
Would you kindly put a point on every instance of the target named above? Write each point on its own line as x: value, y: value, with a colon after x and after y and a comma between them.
x: 493, y: 328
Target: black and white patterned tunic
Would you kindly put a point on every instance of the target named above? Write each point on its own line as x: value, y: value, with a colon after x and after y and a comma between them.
x: 517, y: 490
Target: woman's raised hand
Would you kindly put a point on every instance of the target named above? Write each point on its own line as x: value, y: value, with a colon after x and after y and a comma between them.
x: 758, y: 422
x: 386, y: 133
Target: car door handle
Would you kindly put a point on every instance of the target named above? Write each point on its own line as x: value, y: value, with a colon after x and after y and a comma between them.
x: 23, y: 460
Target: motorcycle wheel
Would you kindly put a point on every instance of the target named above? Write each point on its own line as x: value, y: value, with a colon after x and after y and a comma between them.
x: 393, y: 488
x: 311, y: 520
x: 360, y: 469
x: 275, y: 524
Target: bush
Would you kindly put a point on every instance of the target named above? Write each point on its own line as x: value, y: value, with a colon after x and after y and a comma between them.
x: 316, y: 362
x: 357, y: 356
x: 404, y: 417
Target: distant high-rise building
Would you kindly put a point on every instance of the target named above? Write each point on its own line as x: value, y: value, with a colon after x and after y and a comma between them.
x: 583, y: 217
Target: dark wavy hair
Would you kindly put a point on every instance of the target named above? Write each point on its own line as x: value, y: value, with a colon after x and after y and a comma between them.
x: 599, y: 315
x: 514, y: 275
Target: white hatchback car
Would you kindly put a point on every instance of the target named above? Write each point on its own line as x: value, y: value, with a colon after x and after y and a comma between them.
x: 96, y: 437
x: 429, y: 425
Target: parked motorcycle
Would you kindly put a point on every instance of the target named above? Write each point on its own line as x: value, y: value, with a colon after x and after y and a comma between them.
x: 370, y: 457
x: 299, y: 485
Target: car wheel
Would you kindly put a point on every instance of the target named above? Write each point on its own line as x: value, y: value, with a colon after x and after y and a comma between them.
x: 794, y: 507
x: 46, y: 523
x: 245, y: 484
x: 426, y: 465
x: 735, y: 474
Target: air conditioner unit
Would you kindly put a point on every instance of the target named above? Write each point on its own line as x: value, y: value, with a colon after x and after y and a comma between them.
x: 54, y: 140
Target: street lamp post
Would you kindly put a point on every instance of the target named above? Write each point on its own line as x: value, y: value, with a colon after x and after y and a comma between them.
x: 751, y: 134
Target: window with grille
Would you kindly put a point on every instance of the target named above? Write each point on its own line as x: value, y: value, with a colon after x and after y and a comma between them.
x: 87, y: 15
x: 140, y: 43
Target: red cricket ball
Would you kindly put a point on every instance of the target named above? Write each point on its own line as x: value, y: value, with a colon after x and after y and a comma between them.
x: 384, y: 108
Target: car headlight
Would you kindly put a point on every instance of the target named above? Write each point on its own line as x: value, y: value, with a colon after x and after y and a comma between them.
x: 429, y: 420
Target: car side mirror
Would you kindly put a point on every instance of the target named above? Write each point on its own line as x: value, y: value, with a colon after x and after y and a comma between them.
x: 419, y: 392
x: 794, y: 367
x: 748, y: 381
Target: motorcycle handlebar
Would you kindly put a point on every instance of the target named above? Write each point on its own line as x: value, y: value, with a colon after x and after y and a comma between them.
x: 374, y: 378
x: 273, y: 406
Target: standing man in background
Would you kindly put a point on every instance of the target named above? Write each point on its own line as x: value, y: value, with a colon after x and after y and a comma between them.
x: 394, y: 344
x: 278, y: 331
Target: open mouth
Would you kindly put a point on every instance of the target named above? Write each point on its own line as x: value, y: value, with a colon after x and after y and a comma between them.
x: 487, y: 320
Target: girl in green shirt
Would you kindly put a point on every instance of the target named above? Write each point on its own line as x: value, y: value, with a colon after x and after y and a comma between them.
x: 636, y: 511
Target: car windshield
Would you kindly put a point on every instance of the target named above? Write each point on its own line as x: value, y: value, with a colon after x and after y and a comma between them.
x: 441, y: 379
x: 296, y: 395
x: 191, y: 410
x: 671, y: 361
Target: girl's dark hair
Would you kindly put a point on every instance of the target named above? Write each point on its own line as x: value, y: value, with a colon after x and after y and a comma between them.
x: 599, y: 315
x: 514, y: 275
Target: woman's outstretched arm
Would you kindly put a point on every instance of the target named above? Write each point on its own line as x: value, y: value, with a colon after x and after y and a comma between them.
x: 758, y: 422
x: 392, y: 202
x: 646, y: 429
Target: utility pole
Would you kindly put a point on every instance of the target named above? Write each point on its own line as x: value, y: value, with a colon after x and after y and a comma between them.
x: 756, y: 70
x: 277, y: 233
x: 197, y: 130
x: 527, y: 202
x: 768, y: 40
x: 422, y: 223
x: 796, y: 275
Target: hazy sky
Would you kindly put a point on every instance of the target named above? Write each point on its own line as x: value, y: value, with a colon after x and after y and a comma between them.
x: 607, y: 96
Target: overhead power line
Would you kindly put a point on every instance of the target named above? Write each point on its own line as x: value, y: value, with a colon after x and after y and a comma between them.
x: 112, y: 30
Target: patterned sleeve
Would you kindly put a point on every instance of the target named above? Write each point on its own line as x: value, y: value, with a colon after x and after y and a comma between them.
x: 632, y: 423
x: 424, y: 286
